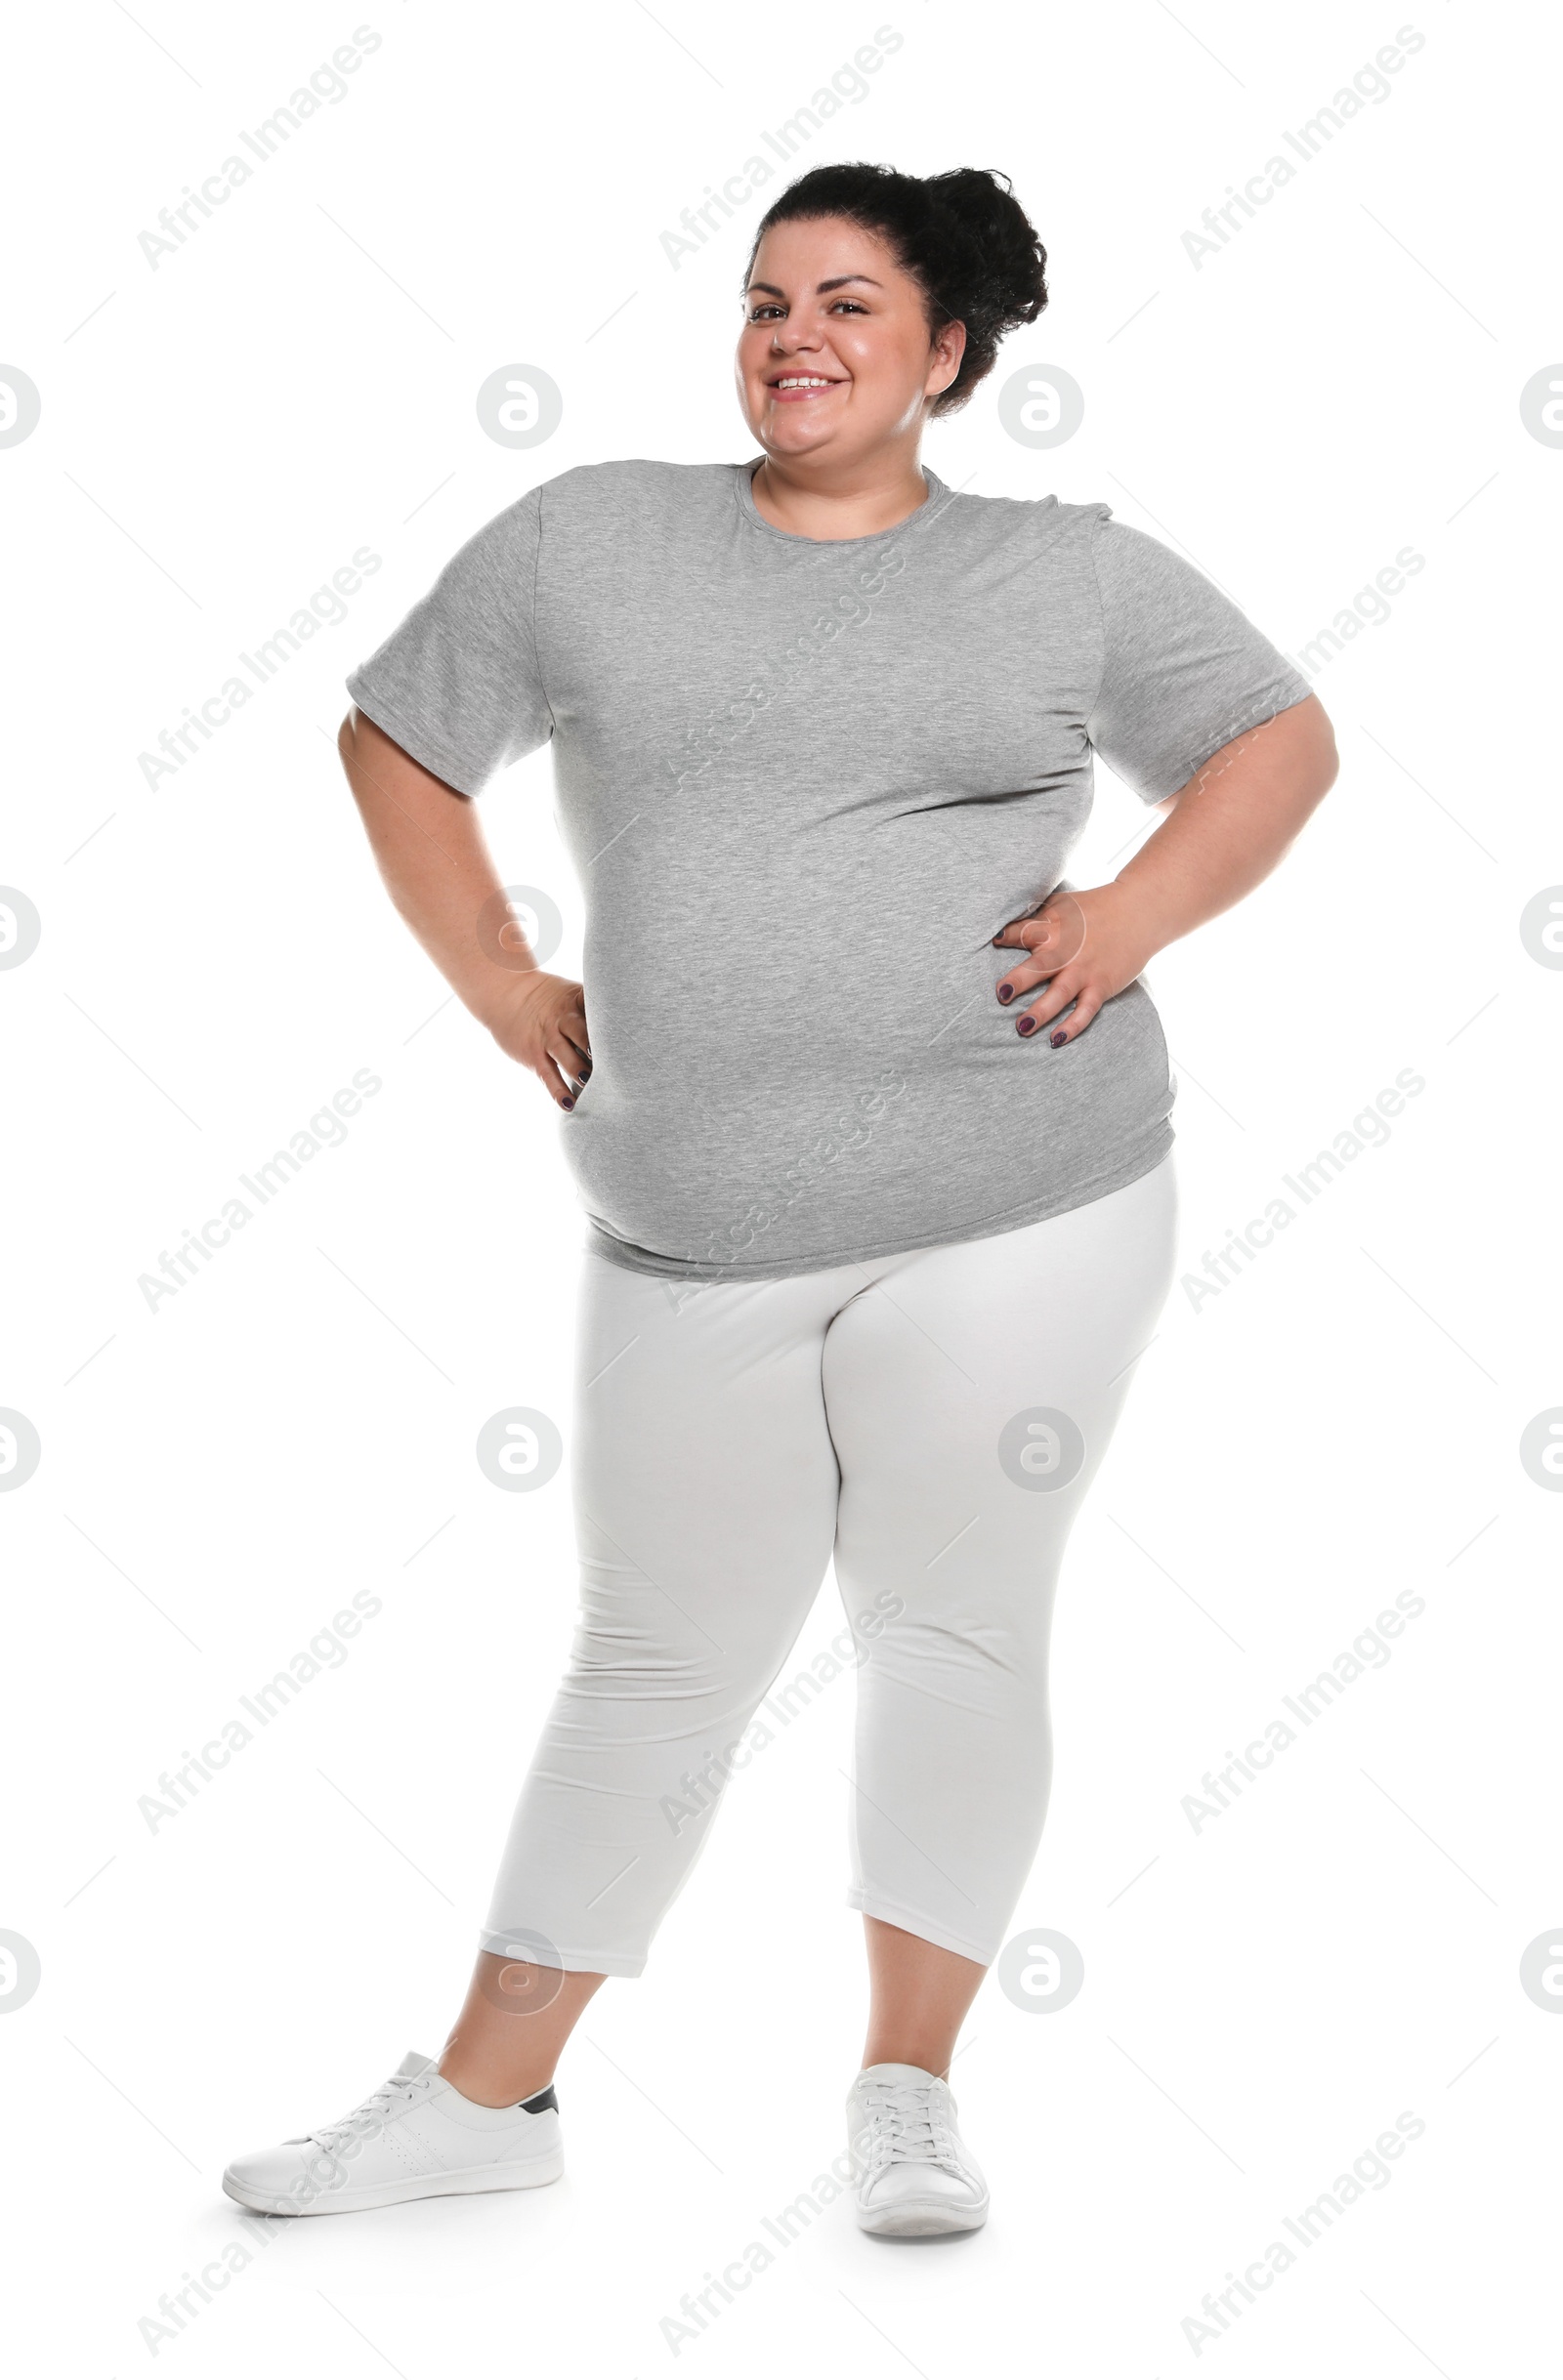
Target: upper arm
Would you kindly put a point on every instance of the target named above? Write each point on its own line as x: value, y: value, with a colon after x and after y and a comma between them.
x: 1294, y: 748
x: 457, y: 686
x: 383, y: 773
x: 1184, y: 672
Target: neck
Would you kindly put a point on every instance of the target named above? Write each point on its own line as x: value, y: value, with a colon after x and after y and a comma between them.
x: 806, y: 496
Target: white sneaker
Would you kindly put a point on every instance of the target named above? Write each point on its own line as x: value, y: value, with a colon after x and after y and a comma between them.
x: 914, y: 2174
x: 414, y: 2137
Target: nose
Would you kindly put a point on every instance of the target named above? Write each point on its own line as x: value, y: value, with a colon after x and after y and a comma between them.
x: 786, y: 338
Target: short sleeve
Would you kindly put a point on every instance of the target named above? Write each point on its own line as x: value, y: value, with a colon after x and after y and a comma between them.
x: 457, y: 684
x: 1183, y: 670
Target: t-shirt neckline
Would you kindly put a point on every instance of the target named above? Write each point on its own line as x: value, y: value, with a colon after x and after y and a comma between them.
x: 742, y: 488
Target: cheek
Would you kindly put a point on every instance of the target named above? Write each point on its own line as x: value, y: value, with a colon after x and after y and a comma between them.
x: 887, y: 390
x: 887, y: 362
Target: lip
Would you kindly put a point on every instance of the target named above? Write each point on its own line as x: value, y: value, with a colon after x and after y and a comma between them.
x: 794, y: 396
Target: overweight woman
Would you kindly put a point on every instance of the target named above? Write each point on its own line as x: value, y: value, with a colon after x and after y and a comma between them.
x: 870, y: 1114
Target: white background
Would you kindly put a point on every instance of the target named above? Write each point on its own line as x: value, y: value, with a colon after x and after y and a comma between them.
x: 1264, y: 1996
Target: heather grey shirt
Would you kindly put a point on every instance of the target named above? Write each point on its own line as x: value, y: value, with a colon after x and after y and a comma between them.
x: 803, y: 784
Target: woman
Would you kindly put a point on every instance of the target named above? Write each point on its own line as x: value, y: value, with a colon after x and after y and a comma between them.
x: 870, y: 1119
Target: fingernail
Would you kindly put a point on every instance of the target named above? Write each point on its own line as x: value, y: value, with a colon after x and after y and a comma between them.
x: 1056, y: 1041
x: 997, y: 938
x: 1006, y: 993
x: 566, y: 1103
x: 1024, y: 1024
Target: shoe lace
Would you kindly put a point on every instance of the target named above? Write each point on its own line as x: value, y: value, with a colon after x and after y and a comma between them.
x: 908, y: 2125
x: 367, y: 2118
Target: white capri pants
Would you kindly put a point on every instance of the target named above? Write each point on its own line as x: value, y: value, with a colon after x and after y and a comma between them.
x: 933, y: 1421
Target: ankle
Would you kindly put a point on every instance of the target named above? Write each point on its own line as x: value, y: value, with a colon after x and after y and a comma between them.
x: 933, y: 2056
x: 489, y: 2087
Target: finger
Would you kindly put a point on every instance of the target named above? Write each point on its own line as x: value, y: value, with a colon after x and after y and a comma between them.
x: 566, y: 1057
x: 1059, y: 928
x: 1059, y: 910
x: 570, y: 1026
x: 1022, y: 931
x: 1032, y: 971
x: 1050, y: 943
x: 554, y: 1082
x: 1085, y: 1008
x: 1064, y: 988
x: 571, y: 1060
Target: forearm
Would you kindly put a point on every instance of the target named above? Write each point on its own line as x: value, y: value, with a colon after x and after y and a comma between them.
x: 1232, y: 823
x: 436, y: 865
x: 1228, y: 828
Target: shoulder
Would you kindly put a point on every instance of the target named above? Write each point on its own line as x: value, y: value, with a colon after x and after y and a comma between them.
x: 1037, y: 522
x: 636, y: 489
x: 1133, y: 566
x: 1089, y: 558
x: 608, y: 496
x: 590, y: 511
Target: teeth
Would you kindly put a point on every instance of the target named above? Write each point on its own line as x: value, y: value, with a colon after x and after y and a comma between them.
x: 803, y: 381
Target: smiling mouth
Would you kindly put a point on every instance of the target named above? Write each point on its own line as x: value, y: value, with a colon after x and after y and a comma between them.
x: 794, y: 387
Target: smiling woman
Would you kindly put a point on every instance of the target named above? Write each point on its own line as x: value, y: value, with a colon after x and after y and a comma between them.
x: 848, y: 349
x: 871, y: 1254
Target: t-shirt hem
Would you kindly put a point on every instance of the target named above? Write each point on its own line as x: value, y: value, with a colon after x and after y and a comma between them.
x: 1283, y: 693
x: 630, y: 1259
x: 424, y: 749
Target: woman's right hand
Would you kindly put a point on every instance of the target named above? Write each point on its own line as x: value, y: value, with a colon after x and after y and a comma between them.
x: 542, y: 1024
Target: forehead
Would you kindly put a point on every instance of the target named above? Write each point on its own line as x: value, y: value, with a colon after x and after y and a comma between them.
x: 797, y: 257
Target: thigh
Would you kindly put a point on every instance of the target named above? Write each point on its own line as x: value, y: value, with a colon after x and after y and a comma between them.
x: 972, y: 1389
x: 704, y: 1478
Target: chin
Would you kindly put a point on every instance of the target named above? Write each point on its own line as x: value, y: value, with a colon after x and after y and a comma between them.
x: 788, y: 436
x: 796, y: 439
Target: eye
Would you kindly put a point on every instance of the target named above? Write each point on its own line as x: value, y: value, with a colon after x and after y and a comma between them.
x: 852, y: 303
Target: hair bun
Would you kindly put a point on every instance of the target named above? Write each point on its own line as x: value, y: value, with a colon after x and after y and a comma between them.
x: 1011, y: 263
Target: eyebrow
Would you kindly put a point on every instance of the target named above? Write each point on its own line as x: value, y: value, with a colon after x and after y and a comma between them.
x: 821, y: 287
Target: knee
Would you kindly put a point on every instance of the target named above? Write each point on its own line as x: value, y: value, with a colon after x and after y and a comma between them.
x: 703, y: 1682
x: 980, y: 1663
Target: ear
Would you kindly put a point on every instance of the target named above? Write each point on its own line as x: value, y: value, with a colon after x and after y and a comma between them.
x: 949, y: 345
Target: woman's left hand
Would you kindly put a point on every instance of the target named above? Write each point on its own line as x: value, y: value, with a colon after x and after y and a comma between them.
x: 1085, y: 947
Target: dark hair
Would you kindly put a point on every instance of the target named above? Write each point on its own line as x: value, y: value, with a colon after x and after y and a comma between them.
x: 962, y: 235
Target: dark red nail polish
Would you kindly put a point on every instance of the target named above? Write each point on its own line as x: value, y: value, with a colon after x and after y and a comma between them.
x: 1024, y: 1024
x: 566, y: 1103
x: 1006, y: 993
x: 1056, y: 1041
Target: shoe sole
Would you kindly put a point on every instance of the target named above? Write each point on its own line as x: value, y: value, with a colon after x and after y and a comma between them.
x: 468, y: 2183
x: 921, y: 2219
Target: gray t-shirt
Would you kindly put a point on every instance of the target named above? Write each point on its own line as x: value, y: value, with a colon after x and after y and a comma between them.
x: 803, y: 784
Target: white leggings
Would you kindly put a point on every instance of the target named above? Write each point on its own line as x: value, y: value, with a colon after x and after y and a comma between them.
x: 933, y: 1420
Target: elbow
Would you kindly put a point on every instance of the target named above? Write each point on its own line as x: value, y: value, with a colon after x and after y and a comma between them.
x: 1324, y: 757
x: 1330, y: 757
x: 349, y: 753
